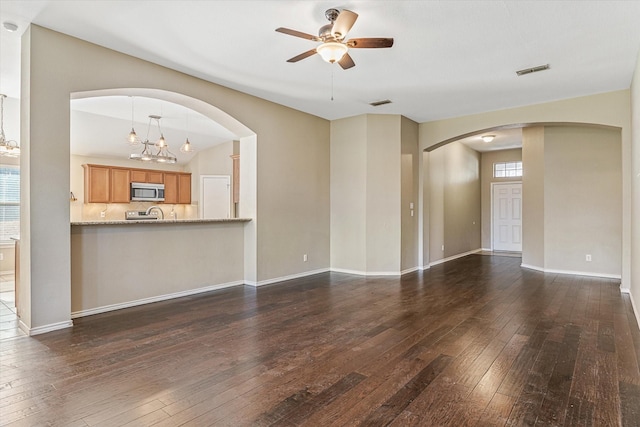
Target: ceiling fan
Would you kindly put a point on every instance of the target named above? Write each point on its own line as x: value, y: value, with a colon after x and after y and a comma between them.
x: 333, y: 48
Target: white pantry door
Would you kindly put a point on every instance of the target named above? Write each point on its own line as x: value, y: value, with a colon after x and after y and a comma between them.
x: 215, y: 196
x: 507, y: 217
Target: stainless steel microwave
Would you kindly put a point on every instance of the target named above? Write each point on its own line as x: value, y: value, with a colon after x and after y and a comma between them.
x: 145, y: 192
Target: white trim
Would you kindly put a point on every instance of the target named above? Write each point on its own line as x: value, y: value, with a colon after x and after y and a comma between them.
x: 573, y: 273
x: 633, y: 304
x: 45, y: 328
x: 283, y: 278
x: 424, y: 267
x: 532, y: 267
x: 486, y: 250
x: 451, y: 258
x: 409, y: 270
x: 128, y: 304
x: 492, y: 213
x: 366, y: 273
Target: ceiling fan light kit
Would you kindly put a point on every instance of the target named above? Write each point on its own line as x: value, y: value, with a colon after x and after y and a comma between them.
x: 333, y: 48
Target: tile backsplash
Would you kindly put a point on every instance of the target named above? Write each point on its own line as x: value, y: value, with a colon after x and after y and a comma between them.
x: 116, y: 211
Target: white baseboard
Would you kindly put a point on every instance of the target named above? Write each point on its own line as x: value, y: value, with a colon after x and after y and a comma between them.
x: 119, y: 306
x: 532, y: 267
x: 486, y: 250
x: 45, y: 328
x: 633, y: 303
x: 572, y: 272
x: 368, y: 273
x: 409, y: 270
x: 451, y: 258
x: 282, y: 279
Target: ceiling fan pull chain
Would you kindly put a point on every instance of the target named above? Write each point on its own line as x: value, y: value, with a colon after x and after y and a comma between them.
x: 332, y: 83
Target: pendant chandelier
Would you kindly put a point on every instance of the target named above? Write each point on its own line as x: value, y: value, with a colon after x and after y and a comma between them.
x: 161, y: 148
x: 8, y: 147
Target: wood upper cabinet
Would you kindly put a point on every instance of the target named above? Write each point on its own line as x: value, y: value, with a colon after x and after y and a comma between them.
x: 148, y: 176
x: 110, y: 184
x: 119, y: 192
x: 171, y: 188
x: 184, y: 188
x: 177, y: 188
x: 96, y: 183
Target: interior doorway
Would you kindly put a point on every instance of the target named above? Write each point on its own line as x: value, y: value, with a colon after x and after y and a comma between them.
x: 506, y: 213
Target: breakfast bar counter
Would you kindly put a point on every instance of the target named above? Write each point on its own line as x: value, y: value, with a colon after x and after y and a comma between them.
x: 122, y: 263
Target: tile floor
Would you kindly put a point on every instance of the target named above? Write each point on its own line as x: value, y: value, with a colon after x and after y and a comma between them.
x: 8, y: 319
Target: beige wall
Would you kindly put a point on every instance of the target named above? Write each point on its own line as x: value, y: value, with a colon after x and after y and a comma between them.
x: 120, y: 264
x: 383, y: 194
x: 348, y: 193
x: 533, y: 197
x: 292, y: 166
x: 609, y: 109
x: 583, y: 199
x: 409, y: 197
x: 487, y: 159
x: 366, y: 194
x: 454, y: 204
x: 634, y: 283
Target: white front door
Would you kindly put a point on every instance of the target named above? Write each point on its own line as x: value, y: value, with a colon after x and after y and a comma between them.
x: 507, y: 217
x: 215, y: 196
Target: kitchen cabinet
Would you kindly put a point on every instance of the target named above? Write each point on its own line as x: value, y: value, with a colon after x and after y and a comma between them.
x: 96, y: 183
x: 177, y: 188
x: 171, y: 188
x: 105, y: 184
x: 148, y: 176
x: 184, y: 188
x: 119, y: 191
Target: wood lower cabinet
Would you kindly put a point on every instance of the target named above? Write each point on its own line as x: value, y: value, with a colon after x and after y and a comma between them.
x: 177, y: 188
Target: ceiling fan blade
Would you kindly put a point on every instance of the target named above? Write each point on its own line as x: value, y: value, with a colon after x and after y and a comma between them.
x: 296, y: 33
x: 346, y: 62
x: 302, y: 56
x: 343, y: 23
x: 369, y: 43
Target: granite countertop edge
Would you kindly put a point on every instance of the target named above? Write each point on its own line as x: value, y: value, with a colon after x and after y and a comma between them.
x: 160, y: 221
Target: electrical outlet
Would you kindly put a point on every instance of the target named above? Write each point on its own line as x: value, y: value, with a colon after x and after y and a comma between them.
x: 102, y: 214
x: 305, y: 258
x: 443, y: 247
x: 588, y: 257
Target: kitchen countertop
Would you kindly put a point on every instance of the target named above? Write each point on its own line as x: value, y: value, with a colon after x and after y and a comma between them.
x: 161, y: 221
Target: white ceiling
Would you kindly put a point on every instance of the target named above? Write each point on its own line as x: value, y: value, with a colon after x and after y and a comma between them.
x: 450, y: 58
x: 100, y: 125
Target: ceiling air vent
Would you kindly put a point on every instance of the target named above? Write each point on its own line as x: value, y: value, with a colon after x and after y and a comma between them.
x: 379, y: 103
x: 533, y: 70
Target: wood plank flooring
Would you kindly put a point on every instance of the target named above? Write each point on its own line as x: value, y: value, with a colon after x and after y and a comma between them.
x: 478, y: 341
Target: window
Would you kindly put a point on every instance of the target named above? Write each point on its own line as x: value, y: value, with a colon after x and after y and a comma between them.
x: 9, y: 202
x: 507, y: 169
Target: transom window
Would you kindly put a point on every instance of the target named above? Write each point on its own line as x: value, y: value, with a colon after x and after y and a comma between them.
x: 507, y: 169
x: 9, y: 202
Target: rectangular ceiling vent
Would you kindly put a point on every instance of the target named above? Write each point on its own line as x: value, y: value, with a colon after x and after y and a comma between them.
x: 532, y: 70
x: 379, y: 103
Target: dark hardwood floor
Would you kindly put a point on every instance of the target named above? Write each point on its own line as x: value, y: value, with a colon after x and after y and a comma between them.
x: 477, y: 341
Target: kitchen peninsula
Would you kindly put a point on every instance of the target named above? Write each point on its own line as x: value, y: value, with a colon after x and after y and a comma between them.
x: 122, y: 256
x: 123, y: 263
